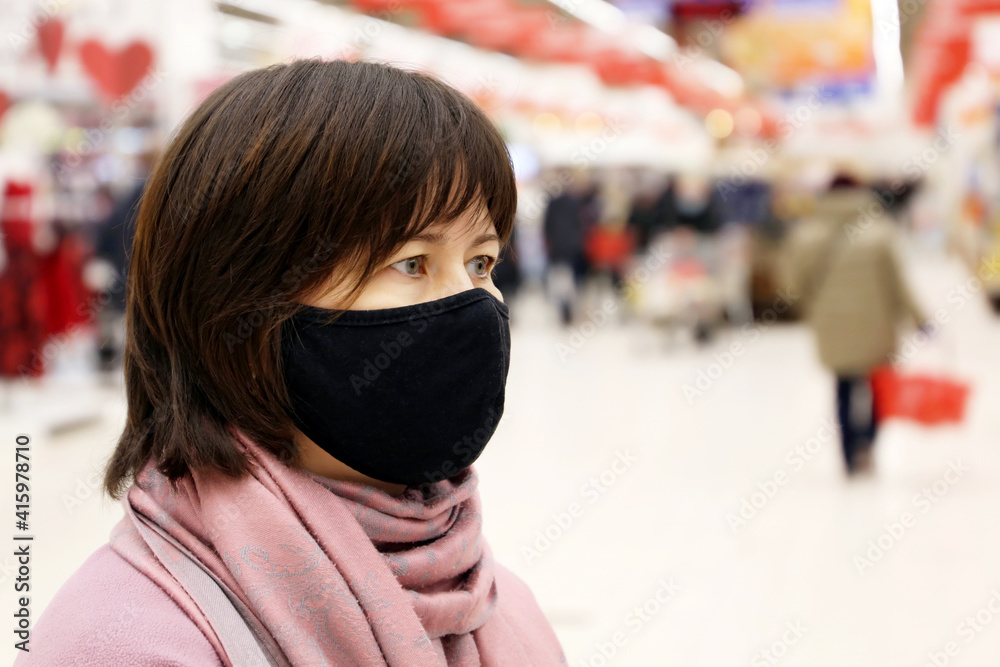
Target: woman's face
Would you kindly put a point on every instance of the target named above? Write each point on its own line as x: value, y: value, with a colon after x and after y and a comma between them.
x: 445, y: 259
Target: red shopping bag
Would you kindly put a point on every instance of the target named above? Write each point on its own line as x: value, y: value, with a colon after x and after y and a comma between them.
x: 918, y: 397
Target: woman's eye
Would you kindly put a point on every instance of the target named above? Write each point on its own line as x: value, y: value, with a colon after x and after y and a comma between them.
x: 480, y: 266
x: 409, y: 266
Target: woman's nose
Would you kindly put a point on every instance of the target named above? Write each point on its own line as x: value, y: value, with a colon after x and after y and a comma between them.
x: 452, y: 281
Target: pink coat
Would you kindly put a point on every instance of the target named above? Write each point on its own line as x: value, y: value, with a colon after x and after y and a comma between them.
x: 284, y: 567
x: 108, y: 614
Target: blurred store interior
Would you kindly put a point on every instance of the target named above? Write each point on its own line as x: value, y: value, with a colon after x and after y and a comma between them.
x: 672, y: 474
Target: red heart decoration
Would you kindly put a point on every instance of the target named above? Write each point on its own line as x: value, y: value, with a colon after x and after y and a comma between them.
x: 4, y: 103
x: 116, y: 73
x: 50, y: 41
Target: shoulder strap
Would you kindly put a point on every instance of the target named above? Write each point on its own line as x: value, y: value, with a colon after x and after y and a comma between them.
x: 237, y: 630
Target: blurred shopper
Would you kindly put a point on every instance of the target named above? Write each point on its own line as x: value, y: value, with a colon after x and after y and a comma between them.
x: 697, y: 218
x: 651, y: 211
x: 644, y: 218
x: 592, y: 204
x: 695, y: 205
x: 507, y: 272
x: 311, y: 329
x: 568, y: 217
x: 845, y: 270
x: 114, y: 242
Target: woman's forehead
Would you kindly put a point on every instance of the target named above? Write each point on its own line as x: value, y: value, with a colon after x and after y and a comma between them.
x: 470, y: 224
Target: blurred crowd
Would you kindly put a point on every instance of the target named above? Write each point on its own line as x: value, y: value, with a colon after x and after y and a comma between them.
x: 679, y: 250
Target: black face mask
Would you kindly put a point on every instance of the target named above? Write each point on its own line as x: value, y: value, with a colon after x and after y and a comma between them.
x: 405, y: 395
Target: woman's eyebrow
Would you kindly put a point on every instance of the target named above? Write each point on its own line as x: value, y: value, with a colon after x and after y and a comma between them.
x: 485, y: 238
x: 439, y: 239
x: 429, y: 237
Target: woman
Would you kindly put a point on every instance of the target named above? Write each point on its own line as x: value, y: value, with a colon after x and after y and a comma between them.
x: 316, y: 355
x: 846, y: 272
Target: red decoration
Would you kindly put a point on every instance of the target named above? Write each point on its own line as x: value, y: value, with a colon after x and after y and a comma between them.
x: 618, y: 67
x: 4, y: 103
x: 942, y: 52
x: 510, y: 31
x: 534, y: 31
x: 452, y: 18
x: 24, y: 301
x: 387, y: 8
x: 50, y: 41
x: 690, y: 93
x: 375, y: 6
x: 116, y: 73
x: 971, y: 7
x: 685, y: 10
x: 567, y: 44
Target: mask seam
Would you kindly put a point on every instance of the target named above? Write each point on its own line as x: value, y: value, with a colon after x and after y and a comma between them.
x: 364, y: 321
x: 500, y: 367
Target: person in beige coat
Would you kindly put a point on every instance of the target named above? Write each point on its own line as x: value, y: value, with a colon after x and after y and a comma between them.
x: 843, y: 266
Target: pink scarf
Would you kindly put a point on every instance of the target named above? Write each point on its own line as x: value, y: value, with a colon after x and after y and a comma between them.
x: 286, y: 567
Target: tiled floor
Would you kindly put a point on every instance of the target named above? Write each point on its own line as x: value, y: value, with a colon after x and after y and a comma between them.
x: 649, y: 553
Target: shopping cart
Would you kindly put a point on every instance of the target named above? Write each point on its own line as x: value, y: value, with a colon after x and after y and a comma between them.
x: 675, y: 285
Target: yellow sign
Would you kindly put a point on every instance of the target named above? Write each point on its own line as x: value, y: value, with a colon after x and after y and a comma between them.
x: 784, y: 50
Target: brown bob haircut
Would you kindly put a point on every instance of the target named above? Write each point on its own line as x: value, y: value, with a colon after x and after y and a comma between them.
x: 283, y: 177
